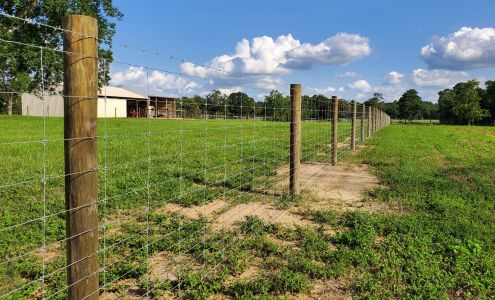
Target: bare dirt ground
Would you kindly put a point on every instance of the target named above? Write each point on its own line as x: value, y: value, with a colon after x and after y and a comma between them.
x: 340, y: 188
x: 266, y: 212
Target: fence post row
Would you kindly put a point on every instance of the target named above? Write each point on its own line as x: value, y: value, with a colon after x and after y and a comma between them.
x: 81, y: 155
x: 295, y: 139
x: 369, y: 121
x: 335, y: 121
x: 363, y: 116
x: 353, y: 136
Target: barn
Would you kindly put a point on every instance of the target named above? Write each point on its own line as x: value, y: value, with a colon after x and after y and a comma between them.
x: 120, y: 103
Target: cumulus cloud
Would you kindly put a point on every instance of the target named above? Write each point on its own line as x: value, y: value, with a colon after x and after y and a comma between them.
x: 158, y: 81
x: 327, y: 91
x: 361, y: 85
x: 393, y: 77
x: 350, y: 75
x: 438, y: 78
x: 268, y: 56
x: 467, y: 48
x: 228, y: 91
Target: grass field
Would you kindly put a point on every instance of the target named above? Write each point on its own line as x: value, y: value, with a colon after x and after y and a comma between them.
x: 187, y: 162
x: 438, y: 245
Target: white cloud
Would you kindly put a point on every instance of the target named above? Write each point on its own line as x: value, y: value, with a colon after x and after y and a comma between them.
x: 340, y: 49
x: 393, y: 77
x: 351, y: 75
x: 267, y: 56
x: 327, y: 91
x: 158, y: 81
x: 467, y: 48
x: 228, y: 91
x: 361, y: 85
x: 437, y: 78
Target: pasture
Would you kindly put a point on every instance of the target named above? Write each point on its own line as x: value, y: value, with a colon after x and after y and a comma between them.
x: 435, y: 240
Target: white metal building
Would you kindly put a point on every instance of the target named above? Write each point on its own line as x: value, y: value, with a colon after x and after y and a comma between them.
x: 117, y: 103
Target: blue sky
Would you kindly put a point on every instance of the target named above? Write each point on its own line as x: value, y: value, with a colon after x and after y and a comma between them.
x: 345, y: 48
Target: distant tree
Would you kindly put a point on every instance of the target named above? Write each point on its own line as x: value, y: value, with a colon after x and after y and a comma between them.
x: 467, y: 102
x: 391, y: 109
x: 376, y: 101
x: 240, y: 105
x: 20, y: 66
x: 277, y: 106
x: 488, y: 100
x: 445, y: 107
x: 215, y: 103
x: 190, y: 107
x: 429, y: 110
x: 410, y: 105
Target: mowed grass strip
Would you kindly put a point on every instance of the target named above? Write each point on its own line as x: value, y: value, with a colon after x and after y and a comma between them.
x: 443, y: 245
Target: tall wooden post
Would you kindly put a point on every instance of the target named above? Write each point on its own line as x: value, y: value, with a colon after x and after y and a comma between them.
x: 353, y: 137
x: 137, y: 109
x: 156, y: 107
x: 335, y: 122
x: 81, y: 154
x: 295, y: 139
x: 363, y: 116
x: 370, y: 120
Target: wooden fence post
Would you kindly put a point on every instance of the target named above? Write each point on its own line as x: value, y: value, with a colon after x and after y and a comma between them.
x: 363, y: 116
x: 353, y: 137
x: 81, y: 154
x: 370, y: 121
x: 335, y: 123
x: 295, y: 140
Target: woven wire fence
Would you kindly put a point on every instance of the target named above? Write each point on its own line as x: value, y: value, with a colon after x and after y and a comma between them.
x: 179, y: 180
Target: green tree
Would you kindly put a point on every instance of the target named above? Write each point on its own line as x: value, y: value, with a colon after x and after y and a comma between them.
x: 376, y: 101
x: 429, y: 110
x: 277, y: 106
x: 240, y: 105
x: 391, y: 109
x: 488, y: 99
x: 190, y: 107
x: 410, y: 105
x: 445, y: 107
x: 215, y: 103
x: 467, y: 102
x: 20, y: 66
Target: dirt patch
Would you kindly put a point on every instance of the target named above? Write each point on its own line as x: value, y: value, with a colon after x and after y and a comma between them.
x: 194, y: 212
x: 341, y: 188
x: 167, y: 265
x: 50, y: 253
x: 266, y: 212
x: 327, y: 289
x: 129, y: 288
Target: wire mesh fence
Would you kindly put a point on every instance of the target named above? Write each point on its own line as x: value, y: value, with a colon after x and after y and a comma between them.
x: 178, y: 181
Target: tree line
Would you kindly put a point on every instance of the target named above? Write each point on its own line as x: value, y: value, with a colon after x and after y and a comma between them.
x: 275, y: 107
x: 465, y: 104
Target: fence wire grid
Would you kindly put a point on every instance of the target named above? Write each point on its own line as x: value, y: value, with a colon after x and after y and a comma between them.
x: 178, y: 186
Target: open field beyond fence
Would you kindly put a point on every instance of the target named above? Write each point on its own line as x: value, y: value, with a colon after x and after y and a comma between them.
x: 430, y: 234
x: 142, y: 164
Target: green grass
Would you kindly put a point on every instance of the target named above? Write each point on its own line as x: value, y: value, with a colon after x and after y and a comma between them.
x: 443, y: 245
x: 187, y: 162
x: 438, y: 244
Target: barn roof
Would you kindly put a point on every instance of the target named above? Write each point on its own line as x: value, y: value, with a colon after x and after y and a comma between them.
x: 117, y: 92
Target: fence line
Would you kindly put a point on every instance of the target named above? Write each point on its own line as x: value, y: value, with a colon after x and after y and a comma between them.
x: 158, y: 185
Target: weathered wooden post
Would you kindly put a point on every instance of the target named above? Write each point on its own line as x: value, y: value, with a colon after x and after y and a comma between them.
x: 370, y: 120
x: 335, y: 123
x: 81, y: 155
x: 353, y: 137
x: 156, y: 107
x: 295, y: 140
x: 363, y: 116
